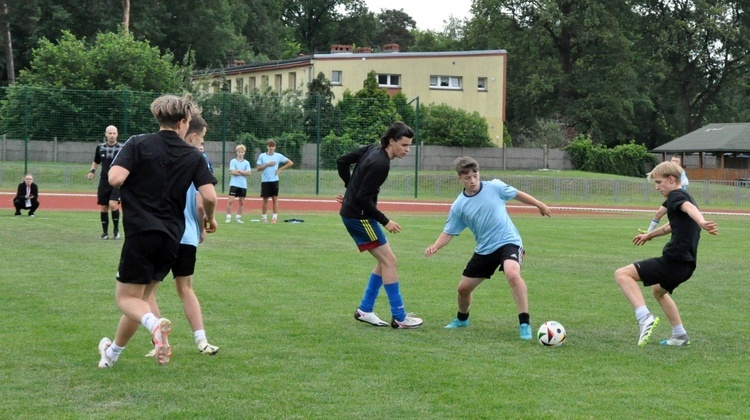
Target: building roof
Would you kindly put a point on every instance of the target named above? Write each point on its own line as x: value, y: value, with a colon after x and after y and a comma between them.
x: 730, y: 137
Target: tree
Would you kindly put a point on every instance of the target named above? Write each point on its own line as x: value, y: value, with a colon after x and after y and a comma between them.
x: 368, y: 113
x: 321, y: 116
x: 316, y: 23
x: 112, y: 61
x: 8, y: 44
x: 395, y: 26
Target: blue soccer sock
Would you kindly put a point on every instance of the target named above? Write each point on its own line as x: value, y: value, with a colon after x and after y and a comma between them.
x: 397, y: 303
x: 371, y: 293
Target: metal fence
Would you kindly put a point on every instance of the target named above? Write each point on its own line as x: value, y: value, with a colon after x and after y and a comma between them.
x: 426, y: 185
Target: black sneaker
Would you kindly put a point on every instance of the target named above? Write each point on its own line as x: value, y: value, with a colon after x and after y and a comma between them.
x: 104, y: 236
x: 116, y: 235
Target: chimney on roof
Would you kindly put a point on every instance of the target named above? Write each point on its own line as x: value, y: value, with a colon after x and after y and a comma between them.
x: 340, y: 48
x: 391, y: 48
x: 363, y: 50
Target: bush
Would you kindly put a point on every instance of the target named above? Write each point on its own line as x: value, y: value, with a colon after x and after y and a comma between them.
x: 627, y: 159
x: 334, y: 146
x: 443, y: 125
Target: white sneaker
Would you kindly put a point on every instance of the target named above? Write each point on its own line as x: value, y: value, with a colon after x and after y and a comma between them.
x: 229, y: 219
x: 369, y: 317
x: 408, y: 322
x: 205, y: 348
x: 646, y: 328
x: 676, y: 341
x: 160, y: 337
x: 238, y: 220
x: 104, y: 361
x: 152, y: 353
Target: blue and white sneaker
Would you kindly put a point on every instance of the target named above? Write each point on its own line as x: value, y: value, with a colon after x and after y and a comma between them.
x: 676, y: 341
x: 524, y: 331
x: 457, y: 323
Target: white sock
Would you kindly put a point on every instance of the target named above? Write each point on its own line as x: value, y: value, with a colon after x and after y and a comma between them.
x: 264, y: 216
x: 653, y: 225
x: 149, y: 321
x: 274, y: 216
x: 641, y: 313
x: 113, y: 352
x: 199, y: 335
x: 229, y: 217
x: 678, y: 330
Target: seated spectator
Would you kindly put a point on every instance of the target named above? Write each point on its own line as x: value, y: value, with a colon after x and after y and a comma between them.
x: 27, y: 196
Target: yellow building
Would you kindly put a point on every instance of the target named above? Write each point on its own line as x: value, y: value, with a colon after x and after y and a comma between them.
x: 469, y: 80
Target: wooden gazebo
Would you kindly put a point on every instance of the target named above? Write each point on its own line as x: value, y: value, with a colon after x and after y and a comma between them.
x: 728, y: 143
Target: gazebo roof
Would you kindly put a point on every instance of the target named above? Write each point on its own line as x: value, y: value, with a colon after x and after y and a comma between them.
x: 730, y: 137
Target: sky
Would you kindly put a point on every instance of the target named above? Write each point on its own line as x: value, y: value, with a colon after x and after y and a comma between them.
x: 429, y: 14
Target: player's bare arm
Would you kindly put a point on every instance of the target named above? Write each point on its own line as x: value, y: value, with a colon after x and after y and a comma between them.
x: 695, y: 214
x: 525, y: 198
x: 441, y: 241
x: 117, y: 176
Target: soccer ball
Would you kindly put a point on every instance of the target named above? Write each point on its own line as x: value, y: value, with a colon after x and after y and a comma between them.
x: 551, y: 334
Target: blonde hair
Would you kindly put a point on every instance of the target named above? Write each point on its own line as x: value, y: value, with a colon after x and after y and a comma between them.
x: 170, y: 109
x: 240, y: 147
x: 665, y: 169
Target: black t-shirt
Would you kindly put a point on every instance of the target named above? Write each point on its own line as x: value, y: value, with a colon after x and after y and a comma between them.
x: 162, y: 167
x: 104, y: 156
x: 683, y: 244
x: 363, y: 184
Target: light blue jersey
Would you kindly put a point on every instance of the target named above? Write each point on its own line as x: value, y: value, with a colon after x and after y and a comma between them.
x: 192, y: 227
x: 486, y: 216
x: 684, y: 180
x: 269, y: 174
x: 239, y: 181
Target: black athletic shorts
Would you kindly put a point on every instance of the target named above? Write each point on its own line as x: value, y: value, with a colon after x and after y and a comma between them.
x: 666, y: 273
x: 269, y: 189
x: 146, y: 256
x: 106, y: 193
x: 185, y: 264
x: 484, y: 266
x: 238, y: 192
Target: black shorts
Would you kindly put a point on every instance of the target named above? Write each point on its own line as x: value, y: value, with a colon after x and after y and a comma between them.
x: 106, y: 193
x: 238, y: 192
x: 185, y: 264
x: 666, y: 273
x: 484, y: 266
x: 269, y: 189
x: 146, y: 256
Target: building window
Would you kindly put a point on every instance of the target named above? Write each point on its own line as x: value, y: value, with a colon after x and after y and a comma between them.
x: 240, y: 85
x: 293, y: 80
x: 227, y: 86
x: 336, y: 77
x: 277, y: 83
x: 253, y: 84
x: 482, y: 84
x: 445, y: 82
x: 389, y: 80
x: 263, y: 82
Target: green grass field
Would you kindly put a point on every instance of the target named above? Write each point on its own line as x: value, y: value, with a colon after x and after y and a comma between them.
x: 278, y: 300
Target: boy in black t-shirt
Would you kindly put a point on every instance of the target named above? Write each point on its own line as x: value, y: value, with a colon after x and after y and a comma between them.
x: 678, y: 260
x: 154, y: 172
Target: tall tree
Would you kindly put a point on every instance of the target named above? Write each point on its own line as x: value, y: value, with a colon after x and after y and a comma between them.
x: 395, y: 26
x: 315, y: 22
x: 8, y: 42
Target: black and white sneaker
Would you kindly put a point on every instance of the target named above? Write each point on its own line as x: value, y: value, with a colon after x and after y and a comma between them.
x: 104, y: 236
x: 116, y: 235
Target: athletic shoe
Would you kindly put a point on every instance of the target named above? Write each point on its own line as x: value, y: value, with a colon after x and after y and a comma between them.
x: 369, y: 317
x: 116, y: 235
x: 152, y: 353
x: 228, y: 220
x: 641, y: 231
x: 646, y: 328
x: 457, y: 323
x: 408, y: 323
x: 104, y: 361
x: 524, y: 331
x: 205, y: 348
x: 677, y: 341
x: 104, y: 236
x: 265, y: 220
x: 160, y: 336
x: 31, y: 215
x: 238, y: 220
x: 18, y: 213
x: 273, y: 221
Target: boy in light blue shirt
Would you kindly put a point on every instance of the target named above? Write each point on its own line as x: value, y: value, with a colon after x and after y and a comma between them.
x: 268, y: 165
x: 240, y: 169
x: 481, y: 208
